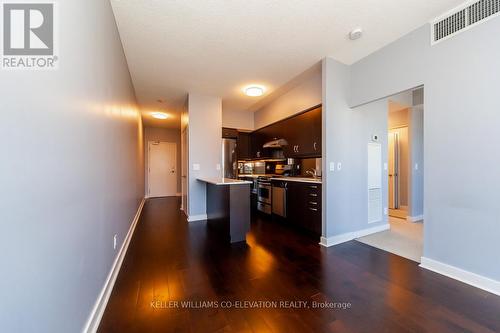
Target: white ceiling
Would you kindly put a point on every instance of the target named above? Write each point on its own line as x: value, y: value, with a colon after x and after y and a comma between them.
x: 216, y: 47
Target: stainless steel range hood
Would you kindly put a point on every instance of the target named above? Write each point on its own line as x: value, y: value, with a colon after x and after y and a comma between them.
x: 278, y: 143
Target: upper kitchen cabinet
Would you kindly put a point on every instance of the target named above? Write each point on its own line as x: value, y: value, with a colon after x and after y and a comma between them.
x: 258, y: 139
x: 229, y: 133
x: 303, y: 133
x: 243, y: 146
x: 317, y: 130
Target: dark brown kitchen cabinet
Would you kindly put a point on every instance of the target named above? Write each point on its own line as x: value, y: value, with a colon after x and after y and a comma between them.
x: 317, y: 130
x: 303, y: 133
x: 229, y: 133
x: 304, y: 206
x: 243, y: 146
x: 257, y: 142
x: 259, y: 138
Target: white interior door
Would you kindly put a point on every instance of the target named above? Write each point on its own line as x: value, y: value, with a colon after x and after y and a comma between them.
x: 162, y: 169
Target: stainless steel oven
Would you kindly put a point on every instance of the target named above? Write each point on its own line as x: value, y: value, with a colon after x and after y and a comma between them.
x: 264, y: 195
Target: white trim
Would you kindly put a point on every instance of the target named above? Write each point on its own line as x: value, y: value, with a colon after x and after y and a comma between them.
x: 349, y: 236
x: 414, y: 218
x: 161, y: 196
x: 192, y: 218
x: 94, y: 319
x: 473, y: 279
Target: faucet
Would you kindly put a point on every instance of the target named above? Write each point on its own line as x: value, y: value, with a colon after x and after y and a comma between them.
x: 312, y: 173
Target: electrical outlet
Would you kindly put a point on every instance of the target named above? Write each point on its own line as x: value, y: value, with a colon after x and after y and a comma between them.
x: 386, y: 211
x: 217, y: 166
x: 196, y: 167
x: 115, y: 237
x: 339, y: 166
x: 416, y: 166
x: 385, y: 166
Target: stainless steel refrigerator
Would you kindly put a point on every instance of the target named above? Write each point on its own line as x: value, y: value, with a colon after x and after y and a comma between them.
x: 229, y: 159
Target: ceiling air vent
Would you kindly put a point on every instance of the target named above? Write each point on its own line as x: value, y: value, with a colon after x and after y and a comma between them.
x: 463, y: 18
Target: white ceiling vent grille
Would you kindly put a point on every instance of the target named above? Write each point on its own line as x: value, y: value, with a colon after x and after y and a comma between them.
x: 463, y: 18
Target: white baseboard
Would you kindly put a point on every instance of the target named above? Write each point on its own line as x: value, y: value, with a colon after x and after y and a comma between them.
x: 473, y: 279
x: 349, y: 236
x: 192, y: 218
x: 162, y: 196
x: 414, y: 218
x: 100, y: 305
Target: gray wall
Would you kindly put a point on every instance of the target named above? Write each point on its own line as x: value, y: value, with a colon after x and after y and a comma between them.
x: 398, y: 118
x: 243, y: 120
x: 416, y: 134
x: 346, y: 134
x: 205, y: 146
x: 167, y: 135
x: 71, y: 174
x: 461, y: 119
x: 301, y: 96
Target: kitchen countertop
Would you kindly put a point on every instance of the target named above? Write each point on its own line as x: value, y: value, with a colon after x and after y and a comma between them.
x: 256, y: 175
x: 299, y: 179
x: 223, y: 181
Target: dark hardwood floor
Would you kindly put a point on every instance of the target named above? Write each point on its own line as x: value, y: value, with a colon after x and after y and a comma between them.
x: 171, y: 260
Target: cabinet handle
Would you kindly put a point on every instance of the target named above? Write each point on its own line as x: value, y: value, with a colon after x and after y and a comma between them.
x: 298, y: 148
x: 312, y: 186
x: 313, y: 203
x: 315, y: 148
x: 313, y: 194
x: 313, y: 209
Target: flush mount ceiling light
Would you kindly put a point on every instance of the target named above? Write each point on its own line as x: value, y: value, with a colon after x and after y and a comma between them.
x: 254, y: 91
x: 356, y: 34
x: 159, y: 115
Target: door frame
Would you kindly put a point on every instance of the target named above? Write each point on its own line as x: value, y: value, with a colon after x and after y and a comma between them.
x: 150, y: 143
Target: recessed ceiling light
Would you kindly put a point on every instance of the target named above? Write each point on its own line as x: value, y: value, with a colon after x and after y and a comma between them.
x: 356, y: 34
x: 254, y: 91
x: 159, y: 115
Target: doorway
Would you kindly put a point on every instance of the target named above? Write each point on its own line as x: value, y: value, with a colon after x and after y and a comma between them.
x: 162, y: 169
x: 404, y: 170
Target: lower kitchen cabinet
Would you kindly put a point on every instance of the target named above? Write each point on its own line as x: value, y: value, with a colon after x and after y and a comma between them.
x: 304, y: 206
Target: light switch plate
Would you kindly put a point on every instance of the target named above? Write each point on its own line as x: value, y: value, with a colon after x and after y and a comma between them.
x: 385, y: 166
x: 217, y: 166
x: 416, y: 166
x: 386, y: 211
x: 196, y: 167
x: 332, y: 166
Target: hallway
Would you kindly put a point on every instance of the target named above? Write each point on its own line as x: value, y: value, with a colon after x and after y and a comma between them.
x: 171, y: 260
x: 404, y: 238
